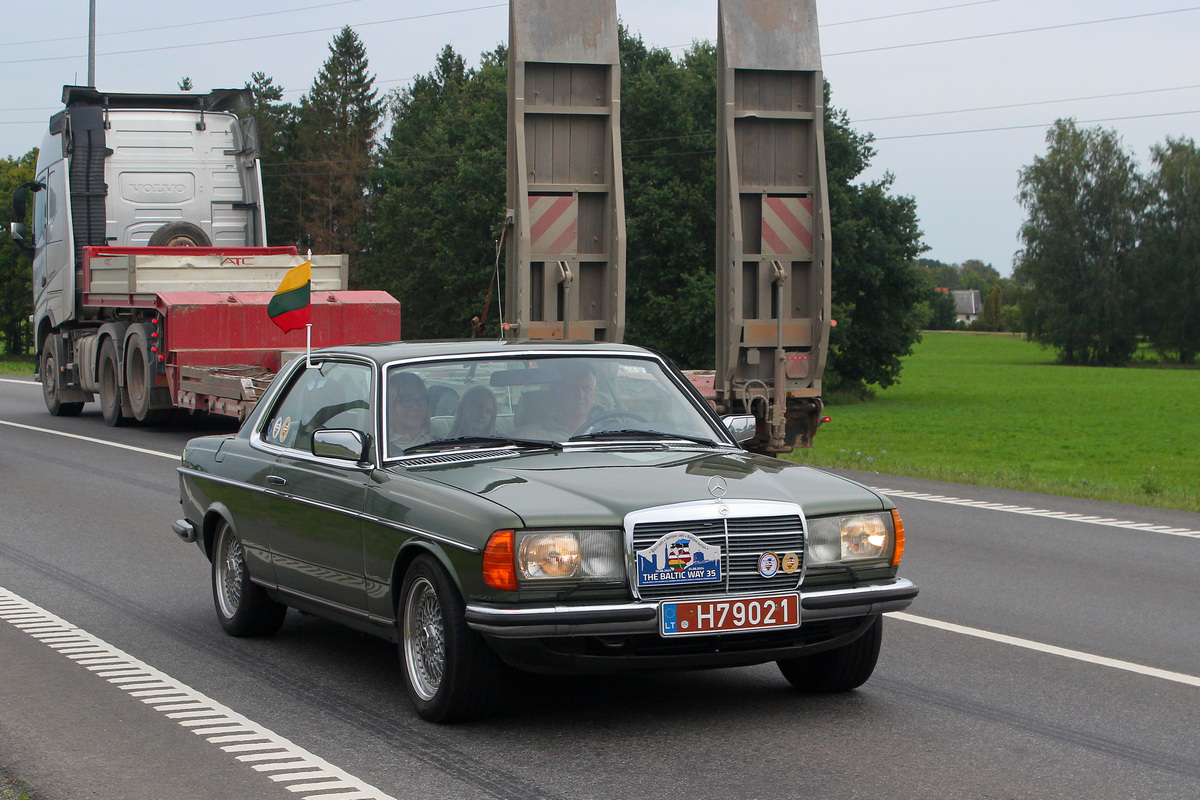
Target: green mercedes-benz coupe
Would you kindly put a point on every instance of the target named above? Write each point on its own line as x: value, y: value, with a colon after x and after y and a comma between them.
x: 555, y: 507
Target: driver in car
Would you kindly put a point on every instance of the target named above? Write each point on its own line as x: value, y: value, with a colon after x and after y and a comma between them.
x: 572, y: 399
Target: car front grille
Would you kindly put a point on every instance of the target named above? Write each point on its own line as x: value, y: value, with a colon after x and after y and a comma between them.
x: 742, y: 540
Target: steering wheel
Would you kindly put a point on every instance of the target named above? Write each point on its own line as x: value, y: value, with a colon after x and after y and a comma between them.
x: 594, y: 423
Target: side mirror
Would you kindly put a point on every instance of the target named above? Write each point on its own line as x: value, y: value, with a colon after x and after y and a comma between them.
x: 17, y: 229
x: 343, y: 444
x: 743, y: 427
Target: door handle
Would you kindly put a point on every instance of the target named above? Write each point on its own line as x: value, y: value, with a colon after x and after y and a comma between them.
x: 275, y: 480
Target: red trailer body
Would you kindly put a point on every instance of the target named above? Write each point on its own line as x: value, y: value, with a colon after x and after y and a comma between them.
x: 157, y: 343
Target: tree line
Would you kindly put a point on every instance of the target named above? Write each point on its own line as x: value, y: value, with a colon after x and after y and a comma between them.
x: 1111, y: 255
x: 412, y: 186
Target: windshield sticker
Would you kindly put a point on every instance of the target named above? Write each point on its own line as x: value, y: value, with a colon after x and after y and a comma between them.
x: 678, y: 558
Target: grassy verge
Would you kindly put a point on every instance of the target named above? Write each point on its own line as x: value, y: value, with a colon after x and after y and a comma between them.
x: 995, y: 410
x: 17, y: 365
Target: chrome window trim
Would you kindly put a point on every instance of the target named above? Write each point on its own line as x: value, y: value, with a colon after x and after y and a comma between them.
x: 274, y: 394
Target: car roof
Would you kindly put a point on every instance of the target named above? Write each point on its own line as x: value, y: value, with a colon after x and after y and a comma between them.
x: 387, y: 352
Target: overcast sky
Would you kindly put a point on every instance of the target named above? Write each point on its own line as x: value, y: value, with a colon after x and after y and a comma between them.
x: 957, y: 93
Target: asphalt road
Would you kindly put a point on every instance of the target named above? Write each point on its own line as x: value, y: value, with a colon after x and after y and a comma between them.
x: 1065, y: 663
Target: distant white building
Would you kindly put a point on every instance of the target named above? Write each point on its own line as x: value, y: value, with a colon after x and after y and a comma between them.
x: 967, y: 305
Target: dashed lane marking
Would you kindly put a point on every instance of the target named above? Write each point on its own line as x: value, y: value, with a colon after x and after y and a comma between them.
x: 1111, y: 522
x: 266, y: 752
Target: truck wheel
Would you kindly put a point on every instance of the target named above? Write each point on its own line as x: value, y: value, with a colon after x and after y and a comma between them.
x: 840, y: 669
x: 180, y: 234
x: 139, y: 383
x: 450, y: 673
x: 48, y: 372
x: 112, y: 394
x: 243, y: 607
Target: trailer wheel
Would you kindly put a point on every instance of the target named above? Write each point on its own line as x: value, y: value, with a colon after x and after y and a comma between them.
x: 143, y: 394
x: 48, y: 372
x: 112, y: 394
x: 180, y: 234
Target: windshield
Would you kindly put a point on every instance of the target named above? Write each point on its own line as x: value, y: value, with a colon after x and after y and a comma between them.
x: 537, y: 400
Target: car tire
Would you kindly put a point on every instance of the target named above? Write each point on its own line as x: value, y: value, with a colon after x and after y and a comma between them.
x: 449, y: 671
x: 112, y: 395
x: 840, y: 669
x: 243, y: 607
x: 48, y: 372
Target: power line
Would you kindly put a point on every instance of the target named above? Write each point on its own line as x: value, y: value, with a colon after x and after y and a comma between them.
x: 1025, y: 105
x: 1029, y: 127
x: 141, y: 50
x: 158, y: 28
x: 906, y: 14
x: 1011, y: 33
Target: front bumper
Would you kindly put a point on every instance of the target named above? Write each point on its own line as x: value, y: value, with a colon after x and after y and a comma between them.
x: 621, y: 619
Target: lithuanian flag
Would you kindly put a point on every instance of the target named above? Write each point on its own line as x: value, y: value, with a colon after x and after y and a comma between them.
x: 290, y: 308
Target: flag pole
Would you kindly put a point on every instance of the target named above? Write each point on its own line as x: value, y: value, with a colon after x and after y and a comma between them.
x: 308, y: 327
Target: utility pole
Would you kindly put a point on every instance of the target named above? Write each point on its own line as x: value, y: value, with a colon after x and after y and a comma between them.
x: 92, y: 43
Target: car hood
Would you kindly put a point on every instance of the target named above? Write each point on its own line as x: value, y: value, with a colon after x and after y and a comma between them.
x: 599, y: 487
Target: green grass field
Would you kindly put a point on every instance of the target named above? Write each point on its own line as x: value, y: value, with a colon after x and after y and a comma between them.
x: 995, y: 410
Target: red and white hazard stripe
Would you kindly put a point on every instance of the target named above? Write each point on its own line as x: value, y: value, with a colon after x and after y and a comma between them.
x: 787, y: 227
x: 553, y: 225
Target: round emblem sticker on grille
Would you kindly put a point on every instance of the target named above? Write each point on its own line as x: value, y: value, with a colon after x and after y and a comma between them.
x: 768, y: 564
x: 791, y: 563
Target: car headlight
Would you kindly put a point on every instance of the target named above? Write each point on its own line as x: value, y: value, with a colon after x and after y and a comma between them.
x: 513, y: 558
x: 587, y: 555
x: 853, y: 539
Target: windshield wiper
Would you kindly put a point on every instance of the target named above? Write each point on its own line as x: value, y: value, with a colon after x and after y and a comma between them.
x: 634, y: 433
x: 455, y: 441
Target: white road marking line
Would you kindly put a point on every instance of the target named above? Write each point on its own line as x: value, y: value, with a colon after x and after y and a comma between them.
x: 1109, y: 522
x: 1062, y: 652
x: 18, y: 380
x: 216, y: 723
x: 142, y: 450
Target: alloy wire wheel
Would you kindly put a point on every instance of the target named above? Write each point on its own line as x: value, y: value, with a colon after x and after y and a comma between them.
x: 450, y: 673
x: 230, y: 565
x: 243, y: 607
x: 424, y: 639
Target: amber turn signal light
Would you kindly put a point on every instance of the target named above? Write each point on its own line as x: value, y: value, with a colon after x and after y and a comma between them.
x: 499, y: 567
x: 899, y: 526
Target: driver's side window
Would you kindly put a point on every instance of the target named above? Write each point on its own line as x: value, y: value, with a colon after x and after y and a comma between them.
x: 326, y: 395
